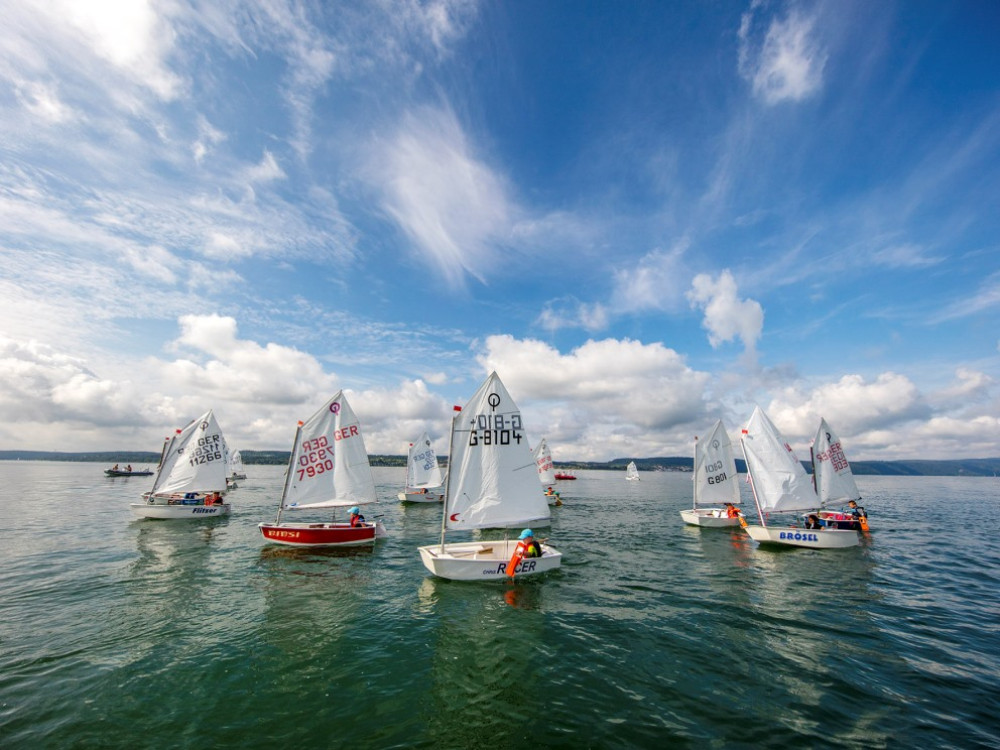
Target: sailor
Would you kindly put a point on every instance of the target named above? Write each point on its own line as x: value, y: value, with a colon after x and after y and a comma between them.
x: 529, y: 546
x: 732, y: 511
x: 356, y: 518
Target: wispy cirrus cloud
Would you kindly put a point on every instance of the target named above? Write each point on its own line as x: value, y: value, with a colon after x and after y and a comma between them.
x: 787, y: 64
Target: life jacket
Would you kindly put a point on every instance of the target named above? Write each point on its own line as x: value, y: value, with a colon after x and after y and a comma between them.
x: 534, y: 549
x: 357, y: 520
x: 732, y: 512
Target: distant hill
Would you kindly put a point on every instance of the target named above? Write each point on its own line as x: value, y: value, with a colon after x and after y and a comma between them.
x: 964, y: 467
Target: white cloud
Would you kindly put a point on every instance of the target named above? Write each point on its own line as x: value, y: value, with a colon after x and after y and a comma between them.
x: 726, y: 316
x: 266, y: 170
x: 788, y: 64
x: 571, y: 313
x: 604, y: 399
x: 655, y: 283
x: 451, y: 205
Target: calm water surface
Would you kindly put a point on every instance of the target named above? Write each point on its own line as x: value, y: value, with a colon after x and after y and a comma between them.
x: 117, y: 632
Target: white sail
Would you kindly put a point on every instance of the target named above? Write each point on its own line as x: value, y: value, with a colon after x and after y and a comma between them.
x: 422, y: 470
x: 543, y: 460
x: 632, y: 472
x: 834, y: 479
x: 236, y: 463
x: 195, y: 460
x: 329, y: 465
x: 492, y: 479
x: 715, y: 477
x: 780, y: 483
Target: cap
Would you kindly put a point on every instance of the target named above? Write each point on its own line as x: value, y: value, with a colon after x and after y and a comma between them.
x: 354, y: 509
x: 526, y: 533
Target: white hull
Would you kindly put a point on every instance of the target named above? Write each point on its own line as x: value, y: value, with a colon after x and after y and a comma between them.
x: 179, y: 512
x: 799, y: 537
x: 484, y: 561
x: 713, y: 518
x: 420, y: 497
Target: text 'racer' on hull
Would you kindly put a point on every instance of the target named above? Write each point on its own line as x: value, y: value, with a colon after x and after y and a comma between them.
x: 715, y: 481
x: 191, y: 479
x: 328, y: 469
x: 492, y: 483
x: 781, y: 485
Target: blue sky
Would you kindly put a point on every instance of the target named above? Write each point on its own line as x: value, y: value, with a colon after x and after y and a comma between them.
x: 645, y: 216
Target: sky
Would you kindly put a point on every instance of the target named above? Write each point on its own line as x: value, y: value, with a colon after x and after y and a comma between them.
x: 645, y: 216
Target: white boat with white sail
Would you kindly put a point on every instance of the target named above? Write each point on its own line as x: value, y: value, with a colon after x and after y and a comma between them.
x: 547, y: 472
x: 236, y: 468
x: 780, y: 485
x: 328, y: 468
x: 492, y: 483
x: 190, y: 481
x: 715, y: 481
x: 834, y: 481
x: 632, y: 472
x: 423, y: 475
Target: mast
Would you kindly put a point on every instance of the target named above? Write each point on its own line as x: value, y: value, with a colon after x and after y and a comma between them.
x: 168, y: 446
x: 288, y: 473
x: 694, y: 477
x: 753, y: 485
x: 447, y: 484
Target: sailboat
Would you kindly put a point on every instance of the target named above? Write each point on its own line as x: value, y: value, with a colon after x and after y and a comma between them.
x: 191, y: 478
x: 492, y: 483
x: 328, y: 468
x: 715, y: 480
x: 423, y: 475
x: 781, y: 485
x: 833, y: 479
x: 546, y: 472
x: 236, y: 470
x: 632, y: 472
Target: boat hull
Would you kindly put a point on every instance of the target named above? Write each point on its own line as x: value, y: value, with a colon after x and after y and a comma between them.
x: 798, y: 537
x: 485, y: 561
x: 420, y: 497
x: 712, y: 518
x: 565, y: 476
x: 166, y: 512
x: 113, y: 473
x: 320, y: 534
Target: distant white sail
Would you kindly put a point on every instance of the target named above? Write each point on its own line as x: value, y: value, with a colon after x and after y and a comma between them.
x: 195, y: 460
x: 834, y: 478
x: 543, y: 460
x: 422, y: 470
x: 492, y: 479
x: 780, y: 483
x: 632, y: 472
x: 329, y: 463
x: 715, y: 477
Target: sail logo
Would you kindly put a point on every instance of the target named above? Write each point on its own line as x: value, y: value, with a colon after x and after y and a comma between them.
x: 798, y: 536
x: 335, y: 407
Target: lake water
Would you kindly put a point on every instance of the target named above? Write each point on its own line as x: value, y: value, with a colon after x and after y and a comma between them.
x: 121, y: 633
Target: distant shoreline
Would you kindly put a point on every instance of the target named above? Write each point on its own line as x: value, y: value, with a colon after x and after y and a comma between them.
x: 959, y: 467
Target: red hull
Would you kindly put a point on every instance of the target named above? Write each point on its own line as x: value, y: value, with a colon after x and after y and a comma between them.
x: 317, y: 534
x: 565, y: 476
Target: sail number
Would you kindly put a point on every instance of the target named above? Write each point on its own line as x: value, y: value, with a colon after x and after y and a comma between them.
x: 208, y: 449
x: 427, y: 458
x: 718, y: 478
x: 316, y: 457
x: 495, y: 429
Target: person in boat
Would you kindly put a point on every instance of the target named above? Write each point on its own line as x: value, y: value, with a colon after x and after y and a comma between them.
x: 356, y: 518
x: 213, y: 498
x: 529, y: 546
x: 129, y: 468
x: 856, y: 511
x: 813, y: 522
x: 732, y: 511
x: 114, y: 468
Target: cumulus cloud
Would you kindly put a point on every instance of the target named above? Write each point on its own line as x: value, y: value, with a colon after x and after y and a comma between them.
x: 603, y: 399
x: 788, y: 63
x: 453, y: 207
x: 726, y: 315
